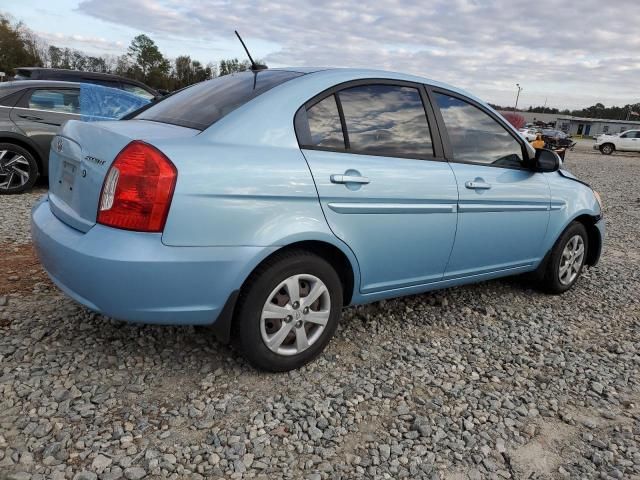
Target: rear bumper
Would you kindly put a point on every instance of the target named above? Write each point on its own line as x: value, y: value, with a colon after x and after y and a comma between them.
x: 133, y: 276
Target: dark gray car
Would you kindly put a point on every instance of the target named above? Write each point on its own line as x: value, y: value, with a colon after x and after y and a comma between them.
x: 31, y: 112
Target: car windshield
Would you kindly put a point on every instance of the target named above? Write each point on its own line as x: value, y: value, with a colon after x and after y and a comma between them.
x: 205, y: 103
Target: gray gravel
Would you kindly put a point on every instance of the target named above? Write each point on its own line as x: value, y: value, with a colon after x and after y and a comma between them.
x: 15, y: 215
x: 487, y: 381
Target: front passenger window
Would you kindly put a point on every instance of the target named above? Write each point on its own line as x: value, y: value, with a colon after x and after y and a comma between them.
x: 476, y: 137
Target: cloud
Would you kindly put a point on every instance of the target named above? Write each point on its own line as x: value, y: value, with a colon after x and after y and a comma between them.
x: 573, y: 56
x: 81, y: 42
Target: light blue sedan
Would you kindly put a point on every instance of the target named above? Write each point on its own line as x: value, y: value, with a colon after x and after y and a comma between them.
x: 265, y: 201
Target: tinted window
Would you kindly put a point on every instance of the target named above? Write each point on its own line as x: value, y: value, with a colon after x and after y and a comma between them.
x: 136, y: 90
x: 631, y: 134
x: 9, y: 94
x: 554, y: 133
x: 207, y: 102
x: 63, y: 101
x: 22, y: 74
x: 386, y: 120
x: 324, y: 124
x: 475, y: 136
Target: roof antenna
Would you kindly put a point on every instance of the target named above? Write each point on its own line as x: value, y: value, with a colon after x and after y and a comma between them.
x: 254, y: 65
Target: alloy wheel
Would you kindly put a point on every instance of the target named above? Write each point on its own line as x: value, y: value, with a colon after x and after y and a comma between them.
x: 571, y: 260
x: 14, y: 170
x: 295, y: 314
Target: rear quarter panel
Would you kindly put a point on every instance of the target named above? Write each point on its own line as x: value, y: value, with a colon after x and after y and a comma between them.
x: 232, y: 195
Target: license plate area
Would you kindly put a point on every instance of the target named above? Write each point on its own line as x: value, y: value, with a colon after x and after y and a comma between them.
x: 67, y: 180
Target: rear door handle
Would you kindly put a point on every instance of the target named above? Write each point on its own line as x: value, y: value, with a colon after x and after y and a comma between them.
x: 349, y: 179
x: 477, y: 185
x: 31, y: 117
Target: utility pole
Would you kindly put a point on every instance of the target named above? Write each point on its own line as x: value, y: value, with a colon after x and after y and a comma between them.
x: 517, y: 96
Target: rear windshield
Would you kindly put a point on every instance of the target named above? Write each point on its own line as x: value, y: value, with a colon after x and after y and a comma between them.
x: 205, y: 103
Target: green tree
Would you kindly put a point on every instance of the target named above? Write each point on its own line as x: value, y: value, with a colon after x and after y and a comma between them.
x: 18, y: 47
x: 55, y: 57
x: 233, y: 65
x: 149, y: 63
x: 182, y: 71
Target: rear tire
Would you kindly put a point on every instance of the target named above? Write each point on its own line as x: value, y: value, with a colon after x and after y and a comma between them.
x: 275, y: 328
x: 566, y: 260
x: 607, y: 148
x: 18, y: 169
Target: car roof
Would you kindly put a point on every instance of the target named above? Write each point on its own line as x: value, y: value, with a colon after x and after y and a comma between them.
x: 37, y: 83
x: 76, y: 73
x: 347, y: 74
x: 81, y: 74
x: 279, y: 104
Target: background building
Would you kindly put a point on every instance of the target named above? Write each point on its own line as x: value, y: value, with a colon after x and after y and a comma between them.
x: 581, y: 126
x: 592, y: 127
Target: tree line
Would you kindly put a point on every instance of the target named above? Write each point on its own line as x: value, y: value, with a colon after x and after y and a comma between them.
x: 630, y: 111
x: 143, y: 60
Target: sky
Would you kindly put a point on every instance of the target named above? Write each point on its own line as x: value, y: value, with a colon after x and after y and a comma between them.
x: 569, y: 54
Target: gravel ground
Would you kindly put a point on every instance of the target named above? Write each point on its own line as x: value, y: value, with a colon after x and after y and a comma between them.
x: 487, y: 381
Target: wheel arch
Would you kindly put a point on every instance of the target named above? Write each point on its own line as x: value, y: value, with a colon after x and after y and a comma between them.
x: 337, y: 258
x: 345, y: 264
x: 594, y: 239
x: 28, y: 146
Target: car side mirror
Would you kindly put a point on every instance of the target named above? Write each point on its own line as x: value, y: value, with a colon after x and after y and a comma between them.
x: 546, y: 160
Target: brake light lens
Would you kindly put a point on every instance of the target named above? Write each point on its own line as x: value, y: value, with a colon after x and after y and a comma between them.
x: 137, y: 191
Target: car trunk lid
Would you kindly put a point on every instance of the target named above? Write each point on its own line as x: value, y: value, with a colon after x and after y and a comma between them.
x: 81, y: 155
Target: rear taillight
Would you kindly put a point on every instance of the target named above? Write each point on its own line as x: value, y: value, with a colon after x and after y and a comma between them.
x: 137, y: 191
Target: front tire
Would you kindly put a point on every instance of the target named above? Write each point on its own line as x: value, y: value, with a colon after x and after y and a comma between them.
x: 288, y: 311
x: 607, y: 149
x: 18, y: 169
x: 566, y: 260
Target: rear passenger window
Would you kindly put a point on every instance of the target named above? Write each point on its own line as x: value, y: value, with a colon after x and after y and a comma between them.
x: 324, y: 124
x: 475, y: 136
x: 386, y: 120
x: 63, y: 101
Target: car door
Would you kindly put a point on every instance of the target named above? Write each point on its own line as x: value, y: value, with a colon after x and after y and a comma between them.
x: 41, y: 112
x: 503, y: 205
x: 624, y: 141
x: 633, y: 141
x: 385, y: 189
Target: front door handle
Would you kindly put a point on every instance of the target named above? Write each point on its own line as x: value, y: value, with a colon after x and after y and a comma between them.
x: 350, y: 179
x: 477, y: 185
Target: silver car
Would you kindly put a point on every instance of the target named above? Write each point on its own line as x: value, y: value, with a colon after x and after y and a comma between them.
x: 31, y: 112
